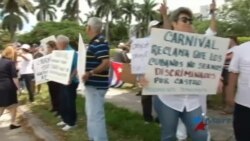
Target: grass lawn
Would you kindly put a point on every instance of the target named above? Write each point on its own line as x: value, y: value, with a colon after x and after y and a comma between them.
x: 123, y: 125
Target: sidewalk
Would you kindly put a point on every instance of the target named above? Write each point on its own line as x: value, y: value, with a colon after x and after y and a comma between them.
x: 126, y: 98
x: 13, y: 135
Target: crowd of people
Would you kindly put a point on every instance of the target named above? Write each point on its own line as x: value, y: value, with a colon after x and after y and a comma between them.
x: 175, y: 114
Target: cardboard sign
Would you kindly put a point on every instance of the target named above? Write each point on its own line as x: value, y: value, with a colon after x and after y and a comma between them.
x: 60, y: 66
x: 81, y: 64
x: 139, y: 50
x: 41, y: 66
x: 184, y: 63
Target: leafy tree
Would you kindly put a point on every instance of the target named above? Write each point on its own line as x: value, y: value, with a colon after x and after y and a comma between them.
x: 46, y: 10
x: 104, y: 9
x: 118, y: 32
x: 4, y: 38
x: 128, y: 8
x: 71, y: 12
x: 145, y: 14
x: 237, y: 14
x: 90, y: 14
x: 45, y: 29
x: 13, y: 14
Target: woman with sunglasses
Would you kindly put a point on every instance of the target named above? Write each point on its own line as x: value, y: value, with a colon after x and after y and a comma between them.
x: 170, y: 107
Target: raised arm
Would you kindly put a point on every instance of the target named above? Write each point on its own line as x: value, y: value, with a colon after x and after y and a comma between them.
x: 213, y: 22
x: 164, y: 10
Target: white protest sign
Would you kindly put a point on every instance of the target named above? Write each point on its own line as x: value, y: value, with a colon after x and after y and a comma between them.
x: 60, y: 66
x: 41, y: 66
x: 81, y: 62
x: 139, y: 50
x: 44, y: 41
x: 184, y: 63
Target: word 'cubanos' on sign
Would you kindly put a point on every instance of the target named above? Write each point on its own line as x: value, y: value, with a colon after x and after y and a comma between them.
x: 184, y: 63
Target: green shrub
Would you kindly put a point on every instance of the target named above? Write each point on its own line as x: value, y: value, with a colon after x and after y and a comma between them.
x: 243, y: 39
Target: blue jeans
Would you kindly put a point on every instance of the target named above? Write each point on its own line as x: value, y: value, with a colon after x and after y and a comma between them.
x: 169, y: 120
x: 96, y: 125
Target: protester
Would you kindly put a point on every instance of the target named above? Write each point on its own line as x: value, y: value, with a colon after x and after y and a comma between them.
x: 96, y: 80
x: 187, y: 107
x: 68, y: 92
x: 26, y: 70
x: 239, y: 69
x: 233, y: 42
x: 53, y: 86
x: 36, y: 54
x: 9, y: 84
x: 211, y: 31
x: 146, y: 100
x: 18, y: 67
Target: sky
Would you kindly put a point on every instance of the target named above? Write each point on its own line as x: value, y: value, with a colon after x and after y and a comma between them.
x: 194, y: 5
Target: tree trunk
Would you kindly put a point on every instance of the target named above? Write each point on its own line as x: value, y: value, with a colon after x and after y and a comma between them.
x: 107, y: 27
x: 44, y: 16
x: 78, y: 11
x: 12, y: 36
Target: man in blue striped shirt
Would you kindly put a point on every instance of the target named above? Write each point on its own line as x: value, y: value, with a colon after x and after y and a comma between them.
x: 96, y: 79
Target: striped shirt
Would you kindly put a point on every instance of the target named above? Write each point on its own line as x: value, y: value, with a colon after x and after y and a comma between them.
x: 97, y: 51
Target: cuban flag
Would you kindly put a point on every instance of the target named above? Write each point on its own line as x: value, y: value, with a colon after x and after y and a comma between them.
x: 116, y: 71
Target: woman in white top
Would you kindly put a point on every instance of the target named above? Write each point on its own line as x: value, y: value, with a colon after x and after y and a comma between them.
x: 187, y: 107
x: 26, y: 70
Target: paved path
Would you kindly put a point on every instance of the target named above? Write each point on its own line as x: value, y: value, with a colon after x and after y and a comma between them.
x: 13, y: 135
x: 220, y: 125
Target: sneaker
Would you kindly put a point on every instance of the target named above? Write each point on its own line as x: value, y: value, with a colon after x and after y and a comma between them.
x: 67, y: 127
x: 61, y: 123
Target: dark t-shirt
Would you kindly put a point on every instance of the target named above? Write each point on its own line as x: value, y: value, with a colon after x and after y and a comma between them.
x: 7, y: 72
x: 97, y: 51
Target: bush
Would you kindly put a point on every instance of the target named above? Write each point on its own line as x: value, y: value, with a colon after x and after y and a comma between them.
x: 243, y: 39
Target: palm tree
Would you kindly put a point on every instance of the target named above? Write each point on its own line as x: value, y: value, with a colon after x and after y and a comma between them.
x: 145, y: 14
x: 105, y: 9
x: 46, y: 10
x: 71, y: 12
x: 128, y: 8
x: 90, y: 14
x: 13, y: 15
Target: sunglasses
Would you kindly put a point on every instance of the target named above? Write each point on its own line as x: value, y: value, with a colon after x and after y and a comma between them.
x: 186, y: 20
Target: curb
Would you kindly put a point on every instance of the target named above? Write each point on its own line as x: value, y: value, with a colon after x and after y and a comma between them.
x: 38, y: 127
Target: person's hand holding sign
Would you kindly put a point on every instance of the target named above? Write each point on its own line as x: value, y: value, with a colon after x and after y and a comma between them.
x: 143, y: 82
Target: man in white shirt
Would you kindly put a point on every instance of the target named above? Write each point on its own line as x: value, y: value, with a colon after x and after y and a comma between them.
x: 239, y: 76
x: 26, y: 70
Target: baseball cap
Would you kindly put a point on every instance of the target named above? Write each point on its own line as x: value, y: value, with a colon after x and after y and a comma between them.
x: 25, y: 46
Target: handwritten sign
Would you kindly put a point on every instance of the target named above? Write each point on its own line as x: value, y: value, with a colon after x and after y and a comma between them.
x: 81, y: 60
x: 139, y: 50
x: 60, y: 66
x: 41, y: 66
x: 184, y: 63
